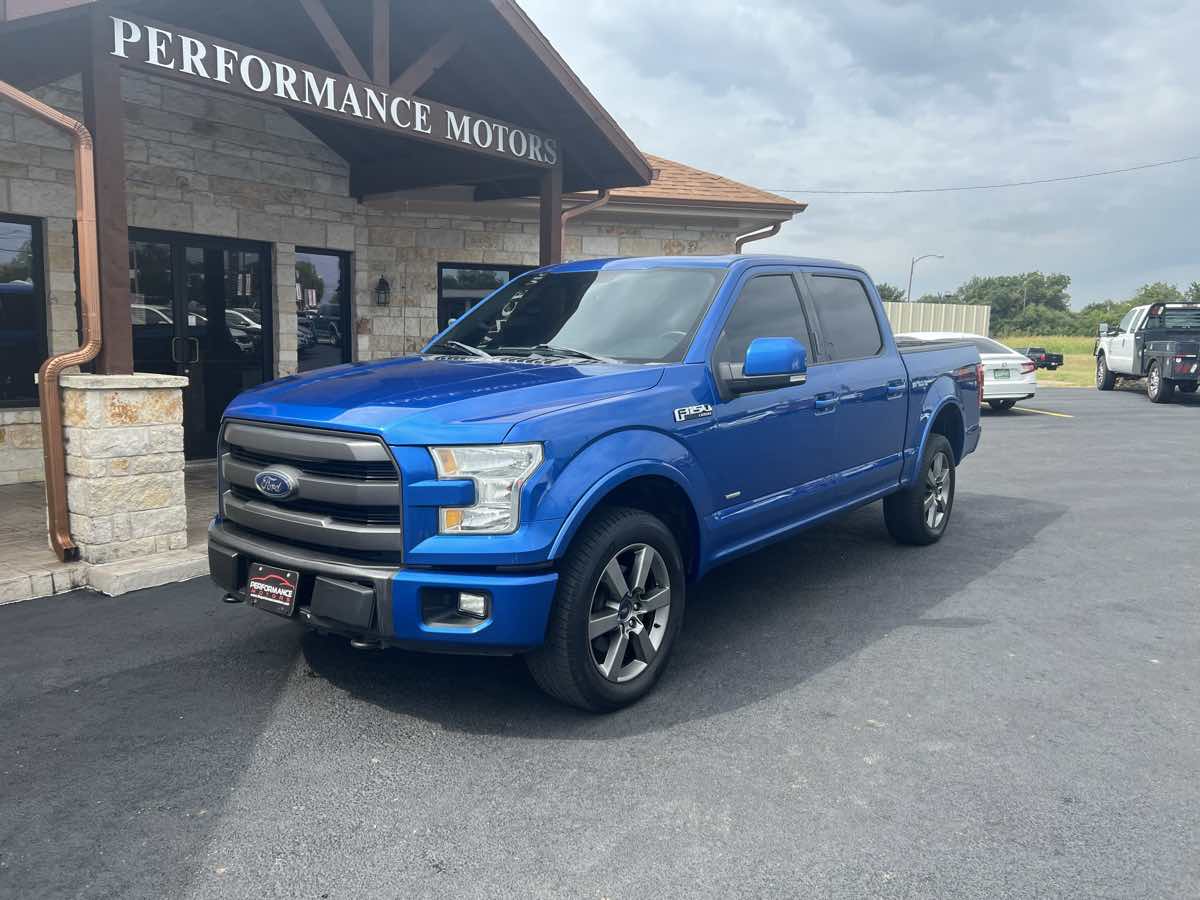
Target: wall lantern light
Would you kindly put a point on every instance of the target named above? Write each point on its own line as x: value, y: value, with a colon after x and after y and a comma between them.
x: 383, y: 292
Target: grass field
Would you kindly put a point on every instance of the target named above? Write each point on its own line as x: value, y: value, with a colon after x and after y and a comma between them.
x: 1079, y: 366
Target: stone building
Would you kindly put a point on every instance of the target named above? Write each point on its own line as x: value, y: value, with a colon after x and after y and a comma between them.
x: 245, y: 235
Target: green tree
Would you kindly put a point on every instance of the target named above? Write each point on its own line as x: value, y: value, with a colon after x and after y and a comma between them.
x: 1193, y: 292
x: 889, y: 293
x: 1158, y: 292
x: 1010, y: 295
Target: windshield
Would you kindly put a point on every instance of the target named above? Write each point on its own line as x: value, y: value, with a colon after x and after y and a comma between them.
x: 632, y: 315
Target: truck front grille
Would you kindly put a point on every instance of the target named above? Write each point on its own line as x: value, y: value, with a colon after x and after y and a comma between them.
x: 347, y: 499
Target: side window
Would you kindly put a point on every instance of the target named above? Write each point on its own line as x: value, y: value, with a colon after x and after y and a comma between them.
x: 1127, y: 322
x: 848, y: 326
x: 767, y: 307
x: 22, y: 310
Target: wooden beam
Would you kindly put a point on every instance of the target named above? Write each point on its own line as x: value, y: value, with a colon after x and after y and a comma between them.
x: 104, y: 115
x: 550, y: 218
x: 415, y: 76
x: 381, y: 45
x: 333, y: 37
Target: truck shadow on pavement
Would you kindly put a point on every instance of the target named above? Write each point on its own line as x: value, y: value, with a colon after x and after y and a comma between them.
x: 756, y: 627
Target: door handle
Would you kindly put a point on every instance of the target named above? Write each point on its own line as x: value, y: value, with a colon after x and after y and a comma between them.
x: 175, y: 357
x: 194, y: 356
x: 825, y: 403
x: 896, y: 390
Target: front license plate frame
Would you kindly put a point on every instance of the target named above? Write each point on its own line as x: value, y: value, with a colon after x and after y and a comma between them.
x: 273, y: 589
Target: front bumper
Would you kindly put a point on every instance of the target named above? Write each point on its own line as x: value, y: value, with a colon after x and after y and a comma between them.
x: 391, y: 604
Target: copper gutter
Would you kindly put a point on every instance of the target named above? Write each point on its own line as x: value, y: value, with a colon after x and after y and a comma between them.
x: 89, y: 286
x: 761, y: 234
x: 569, y: 214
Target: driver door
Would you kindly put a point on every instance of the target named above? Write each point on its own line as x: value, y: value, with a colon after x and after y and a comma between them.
x: 1122, y: 347
x: 768, y: 453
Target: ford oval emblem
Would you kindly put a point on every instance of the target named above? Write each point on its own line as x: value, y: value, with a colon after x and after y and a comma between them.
x: 276, y: 483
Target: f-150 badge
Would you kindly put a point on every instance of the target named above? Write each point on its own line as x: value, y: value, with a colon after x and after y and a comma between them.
x: 688, y: 413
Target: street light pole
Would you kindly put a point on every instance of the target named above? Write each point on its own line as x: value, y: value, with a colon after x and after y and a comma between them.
x: 913, y: 265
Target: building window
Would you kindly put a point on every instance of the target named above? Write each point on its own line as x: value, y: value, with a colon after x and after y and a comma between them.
x: 323, y: 309
x: 462, y: 285
x: 22, y: 310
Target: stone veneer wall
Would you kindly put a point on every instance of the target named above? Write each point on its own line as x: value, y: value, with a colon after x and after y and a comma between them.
x: 125, y: 484
x: 201, y: 162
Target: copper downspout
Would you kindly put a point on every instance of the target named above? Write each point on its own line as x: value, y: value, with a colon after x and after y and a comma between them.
x: 89, y: 285
x: 761, y: 234
x: 569, y: 214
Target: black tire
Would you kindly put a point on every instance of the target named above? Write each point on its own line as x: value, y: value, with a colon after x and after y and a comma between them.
x: 1188, y: 388
x: 1158, y: 389
x: 1002, y: 405
x: 1105, y: 380
x: 566, y: 666
x: 905, y: 513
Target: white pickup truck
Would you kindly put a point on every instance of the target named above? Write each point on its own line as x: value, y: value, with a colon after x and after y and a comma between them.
x: 1160, y: 343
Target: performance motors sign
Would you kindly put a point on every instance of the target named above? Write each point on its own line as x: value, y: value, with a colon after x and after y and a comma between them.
x: 162, y: 50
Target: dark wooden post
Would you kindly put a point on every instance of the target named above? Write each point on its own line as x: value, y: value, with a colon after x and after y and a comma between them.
x: 381, y: 43
x: 550, y: 217
x: 104, y: 115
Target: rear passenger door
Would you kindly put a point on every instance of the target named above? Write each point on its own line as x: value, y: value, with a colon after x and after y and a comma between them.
x: 869, y: 377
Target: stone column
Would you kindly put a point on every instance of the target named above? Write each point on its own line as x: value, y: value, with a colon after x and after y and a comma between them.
x: 124, y: 442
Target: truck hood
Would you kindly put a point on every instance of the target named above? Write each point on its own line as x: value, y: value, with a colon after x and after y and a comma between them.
x: 437, y: 401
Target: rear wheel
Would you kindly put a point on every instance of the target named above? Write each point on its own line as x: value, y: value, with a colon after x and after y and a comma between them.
x: 919, y: 514
x: 1002, y: 405
x: 1158, y: 389
x: 617, y: 611
x: 1105, y: 380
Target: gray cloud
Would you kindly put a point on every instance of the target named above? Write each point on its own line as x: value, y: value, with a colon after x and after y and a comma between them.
x: 865, y: 94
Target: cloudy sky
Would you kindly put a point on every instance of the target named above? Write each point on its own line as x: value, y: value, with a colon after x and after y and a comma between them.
x: 874, y: 94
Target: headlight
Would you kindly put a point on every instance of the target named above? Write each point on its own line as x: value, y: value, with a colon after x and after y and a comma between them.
x: 499, y: 473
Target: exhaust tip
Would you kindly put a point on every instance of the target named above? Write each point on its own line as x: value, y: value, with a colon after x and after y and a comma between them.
x: 231, y: 598
x: 361, y: 644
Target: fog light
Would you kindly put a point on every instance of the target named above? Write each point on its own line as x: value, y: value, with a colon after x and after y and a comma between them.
x: 473, y: 604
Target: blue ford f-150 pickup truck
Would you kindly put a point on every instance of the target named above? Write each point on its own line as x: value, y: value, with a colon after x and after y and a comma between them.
x: 552, y: 472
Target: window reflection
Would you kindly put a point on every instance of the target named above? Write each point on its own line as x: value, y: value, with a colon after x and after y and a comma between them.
x: 322, y: 310
x: 22, y: 313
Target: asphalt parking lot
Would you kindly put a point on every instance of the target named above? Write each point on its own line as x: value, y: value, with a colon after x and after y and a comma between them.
x: 1013, y: 712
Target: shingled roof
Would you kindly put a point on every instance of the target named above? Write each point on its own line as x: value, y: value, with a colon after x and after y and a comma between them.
x: 675, y: 183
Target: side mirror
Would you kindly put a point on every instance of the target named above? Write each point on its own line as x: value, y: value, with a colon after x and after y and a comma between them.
x: 771, y: 362
x: 1103, y: 329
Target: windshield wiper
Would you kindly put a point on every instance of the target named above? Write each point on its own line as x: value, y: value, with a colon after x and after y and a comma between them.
x: 570, y: 351
x: 465, y: 348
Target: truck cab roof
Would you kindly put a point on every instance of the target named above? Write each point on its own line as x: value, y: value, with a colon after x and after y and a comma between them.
x: 732, y: 261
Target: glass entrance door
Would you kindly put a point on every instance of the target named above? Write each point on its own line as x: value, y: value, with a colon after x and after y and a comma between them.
x: 201, y: 309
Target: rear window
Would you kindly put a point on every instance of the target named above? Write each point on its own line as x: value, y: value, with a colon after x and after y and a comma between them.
x: 987, y: 345
x: 1177, y: 317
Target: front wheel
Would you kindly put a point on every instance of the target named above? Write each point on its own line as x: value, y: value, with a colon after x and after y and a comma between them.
x: 1158, y: 389
x: 1105, y: 379
x: 1002, y: 405
x: 618, y: 608
x: 919, y: 514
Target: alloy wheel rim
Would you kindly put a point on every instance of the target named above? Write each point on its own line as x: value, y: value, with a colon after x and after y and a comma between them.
x: 631, y: 605
x: 1155, y: 380
x: 1100, y: 370
x: 937, y: 491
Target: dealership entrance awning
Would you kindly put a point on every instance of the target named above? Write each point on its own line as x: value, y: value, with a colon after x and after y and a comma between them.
x: 410, y: 93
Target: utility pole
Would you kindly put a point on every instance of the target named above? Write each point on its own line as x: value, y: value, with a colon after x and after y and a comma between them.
x: 913, y: 265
